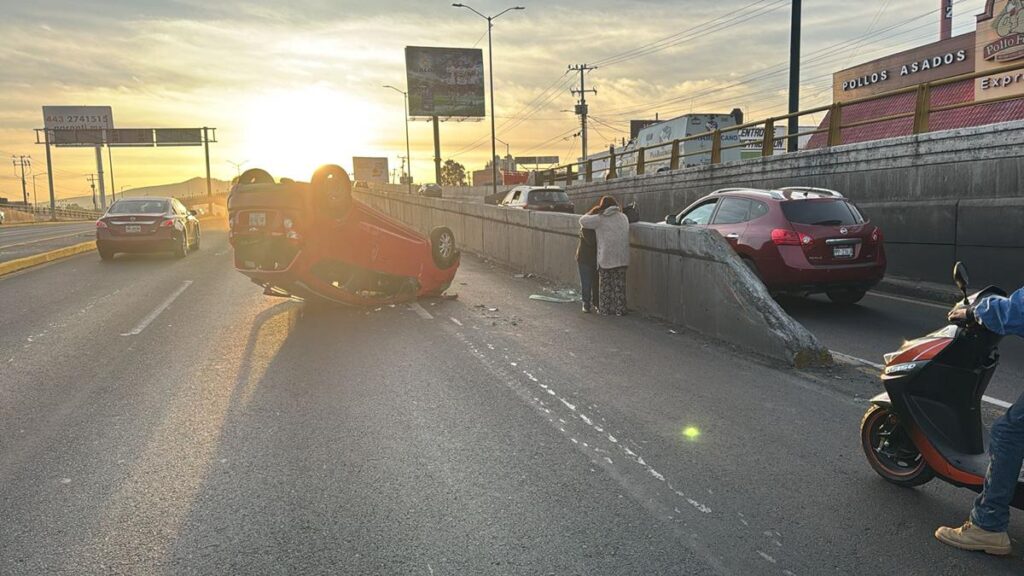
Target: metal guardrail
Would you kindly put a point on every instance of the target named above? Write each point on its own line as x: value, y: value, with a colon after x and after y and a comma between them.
x: 638, y: 158
x: 42, y: 213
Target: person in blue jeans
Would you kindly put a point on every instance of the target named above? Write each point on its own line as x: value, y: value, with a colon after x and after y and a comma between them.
x: 986, y: 528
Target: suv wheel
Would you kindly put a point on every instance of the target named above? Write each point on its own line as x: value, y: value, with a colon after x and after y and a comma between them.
x: 846, y: 297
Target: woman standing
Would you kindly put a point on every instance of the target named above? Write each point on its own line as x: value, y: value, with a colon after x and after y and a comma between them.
x: 586, y: 260
x: 612, y: 230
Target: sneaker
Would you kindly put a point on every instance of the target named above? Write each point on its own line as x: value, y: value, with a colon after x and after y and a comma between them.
x: 586, y: 308
x: 971, y: 537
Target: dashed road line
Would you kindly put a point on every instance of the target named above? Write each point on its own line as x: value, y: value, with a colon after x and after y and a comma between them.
x: 421, y: 311
x: 158, y: 310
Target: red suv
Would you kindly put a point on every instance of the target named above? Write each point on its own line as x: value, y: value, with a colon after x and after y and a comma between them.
x: 796, y: 240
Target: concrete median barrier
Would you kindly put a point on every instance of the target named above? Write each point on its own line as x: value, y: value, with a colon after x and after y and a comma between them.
x: 687, y: 276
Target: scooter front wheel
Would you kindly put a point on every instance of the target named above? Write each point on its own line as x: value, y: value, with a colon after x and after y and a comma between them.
x: 890, y: 451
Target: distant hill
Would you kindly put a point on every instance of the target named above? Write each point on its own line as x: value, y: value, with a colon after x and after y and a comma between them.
x: 188, y: 188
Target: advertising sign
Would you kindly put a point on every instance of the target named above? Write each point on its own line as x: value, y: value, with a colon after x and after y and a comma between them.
x: 536, y: 160
x: 78, y: 118
x: 179, y: 136
x: 935, y: 61
x: 370, y: 169
x: 1000, y: 39
x: 696, y: 152
x: 445, y: 81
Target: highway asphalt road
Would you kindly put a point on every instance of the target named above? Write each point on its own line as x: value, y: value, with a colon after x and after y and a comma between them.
x: 881, y: 322
x: 21, y: 241
x: 161, y: 416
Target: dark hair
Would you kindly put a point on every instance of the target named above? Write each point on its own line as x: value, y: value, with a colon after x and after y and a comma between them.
x: 603, y: 204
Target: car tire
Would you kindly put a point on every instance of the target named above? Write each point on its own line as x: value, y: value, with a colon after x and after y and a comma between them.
x: 333, y: 189
x: 182, y: 249
x: 255, y: 176
x: 846, y: 297
x: 442, y: 247
x: 909, y: 468
x: 105, y: 255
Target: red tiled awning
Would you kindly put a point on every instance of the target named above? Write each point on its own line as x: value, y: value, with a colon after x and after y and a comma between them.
x: 962, y: 91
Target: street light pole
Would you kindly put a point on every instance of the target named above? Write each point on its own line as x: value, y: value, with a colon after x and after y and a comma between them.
x: 490, y: 64
x: 793, y: 142
x: 408, y: 158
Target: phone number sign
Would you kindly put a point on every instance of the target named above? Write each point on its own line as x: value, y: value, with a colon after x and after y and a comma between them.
x: 78, y: 118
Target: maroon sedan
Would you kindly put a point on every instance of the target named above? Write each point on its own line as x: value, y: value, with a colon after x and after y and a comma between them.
x: 796, y: 240
x: 147, y: 224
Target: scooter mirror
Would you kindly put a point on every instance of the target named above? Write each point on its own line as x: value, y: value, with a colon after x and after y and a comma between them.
x: 961, y: 278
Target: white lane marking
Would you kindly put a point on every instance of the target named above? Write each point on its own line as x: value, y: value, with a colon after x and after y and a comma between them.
x: 156, y: 312
x: 455, y: 320
x: 43, y: 240
x: 854, y: 360
x: 421, y: 311
x: 909, y: 300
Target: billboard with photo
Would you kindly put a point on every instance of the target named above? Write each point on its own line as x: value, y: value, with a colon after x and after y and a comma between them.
x: 445, y: 82
x: 370, y: 169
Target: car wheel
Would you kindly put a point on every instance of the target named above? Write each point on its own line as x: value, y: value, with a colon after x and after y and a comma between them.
x: 333, y: 188
x: 105, y: 255
x: 846, y: 297
x: 182, y: 248
x: 442, y: 246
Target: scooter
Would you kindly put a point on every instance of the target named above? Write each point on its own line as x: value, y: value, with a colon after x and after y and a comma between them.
x: 928, y: 422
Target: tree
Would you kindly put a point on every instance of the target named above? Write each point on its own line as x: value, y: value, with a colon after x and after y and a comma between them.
x: 453, y: 173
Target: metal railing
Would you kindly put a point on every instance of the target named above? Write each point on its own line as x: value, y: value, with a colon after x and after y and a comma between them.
x: 17, y: 213
x: 637, y: 161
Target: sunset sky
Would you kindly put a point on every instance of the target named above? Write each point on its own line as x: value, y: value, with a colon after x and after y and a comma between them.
x: 290, y: 86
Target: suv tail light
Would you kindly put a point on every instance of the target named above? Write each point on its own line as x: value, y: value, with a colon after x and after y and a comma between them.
x: 167, y: 223
x: 876, y: 236
x: 101, y: 224
x: 783, y: 237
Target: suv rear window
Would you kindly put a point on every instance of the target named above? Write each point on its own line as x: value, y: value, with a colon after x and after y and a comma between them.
x: 821, y: 212
x: 549, y: 196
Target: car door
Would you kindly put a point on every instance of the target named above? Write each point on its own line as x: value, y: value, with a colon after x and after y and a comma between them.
x: 730, y: 220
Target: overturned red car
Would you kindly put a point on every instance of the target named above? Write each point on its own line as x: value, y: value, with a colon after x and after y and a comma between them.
x: 315, y: 242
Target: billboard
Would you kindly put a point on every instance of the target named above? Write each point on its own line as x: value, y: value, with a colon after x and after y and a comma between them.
x: 78, y: 118
x: 445, y: 81
x: 179, y: 136
x: 1000, y: 43
x: 370, y: 169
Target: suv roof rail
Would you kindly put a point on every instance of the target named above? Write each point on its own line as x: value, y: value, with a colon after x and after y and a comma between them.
x: 739, y: 189
x: 823, y: 191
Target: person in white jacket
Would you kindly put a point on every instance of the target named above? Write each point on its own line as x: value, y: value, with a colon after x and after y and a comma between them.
x: 612, y: 229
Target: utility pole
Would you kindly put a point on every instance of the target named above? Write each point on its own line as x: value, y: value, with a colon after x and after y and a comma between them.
x: 581, y: 106
x: 22, y: 162
x: 794, y: 78
x: 92, y: 184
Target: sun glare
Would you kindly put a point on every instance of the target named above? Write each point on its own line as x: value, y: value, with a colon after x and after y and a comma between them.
x: 291, y: 133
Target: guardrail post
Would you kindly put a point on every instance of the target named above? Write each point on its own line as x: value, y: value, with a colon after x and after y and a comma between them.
x: 923, y: 108
x: 568, y: 175
x: 716, y: 147
x: 835, y: 125
x: 590, y: 170
x: 673, y: 163
x: 611, y: 163
x: 640, y: 161
x: 768, y: 143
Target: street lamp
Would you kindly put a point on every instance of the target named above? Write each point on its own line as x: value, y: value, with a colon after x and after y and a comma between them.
x: 490, y: 70
x: 238, y: 166
x: 408, y: 159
